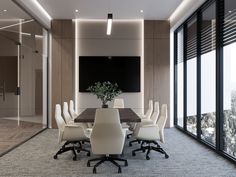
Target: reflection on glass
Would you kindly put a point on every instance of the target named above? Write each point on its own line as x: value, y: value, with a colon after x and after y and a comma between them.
x: 208, y: 75
x: 230, y: 99
x: 229, y: 78
x: 180, y: 81
x: 23, y: 63
x: 192, y: 96
x: 192, y: 76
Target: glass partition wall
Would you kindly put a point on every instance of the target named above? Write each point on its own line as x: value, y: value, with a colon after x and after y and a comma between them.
x: 205, y: 80
x: 23, y: 78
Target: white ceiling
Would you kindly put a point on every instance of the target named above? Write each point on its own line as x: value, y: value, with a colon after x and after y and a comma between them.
x: 13, y: 11
x: 121, y: 9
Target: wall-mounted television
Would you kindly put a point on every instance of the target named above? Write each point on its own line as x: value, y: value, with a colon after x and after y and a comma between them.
x: 123, y: 70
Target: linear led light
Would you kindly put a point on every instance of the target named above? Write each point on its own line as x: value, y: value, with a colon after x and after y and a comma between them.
x: 109, y: 24
x: 40, y: 7
x: 179, y: 9
x: 20, y: 23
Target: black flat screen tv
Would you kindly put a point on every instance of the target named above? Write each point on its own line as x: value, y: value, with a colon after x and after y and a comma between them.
x: 125, y: 71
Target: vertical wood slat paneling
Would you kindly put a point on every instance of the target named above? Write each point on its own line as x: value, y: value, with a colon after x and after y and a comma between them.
x: 157, y: 63
x: 67, y: 69
x: 62, y: 63
x: 56, y: 76
x: 148, y: 71
x: 148, y: 61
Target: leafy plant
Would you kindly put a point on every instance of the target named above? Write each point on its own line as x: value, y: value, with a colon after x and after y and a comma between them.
x: 105, y: 91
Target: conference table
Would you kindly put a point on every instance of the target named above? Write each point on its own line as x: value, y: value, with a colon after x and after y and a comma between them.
x: 126, y: 115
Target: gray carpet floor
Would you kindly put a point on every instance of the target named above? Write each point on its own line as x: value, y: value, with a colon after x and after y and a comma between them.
x: 187, y: 159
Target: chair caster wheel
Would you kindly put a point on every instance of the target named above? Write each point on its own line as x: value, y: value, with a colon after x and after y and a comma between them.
x: 130, y: 144
x: 119, y: 170
x: 139, y: 142
x: 143, y: 150
x: 55, y: 156
x: 78, y: 151
x: 74, y: 158
x: 88, y: 154
x: 126, y: 163
x: 133, y: 154
x: 147, y: 157
x: 94, y: 170
x: 88, y: 164
x: 166, y: 156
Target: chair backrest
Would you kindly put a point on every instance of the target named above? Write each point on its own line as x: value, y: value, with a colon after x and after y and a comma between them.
x: 59, y: 120
x: 107, y: 136
x: 66, y: 114
x: 155, y: 113
x: 119, y: 103
x: 150, y: 110
x: 162, y: 121
x: 72, y: 110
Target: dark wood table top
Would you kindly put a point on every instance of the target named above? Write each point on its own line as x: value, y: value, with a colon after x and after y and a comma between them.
x: 126, y: 115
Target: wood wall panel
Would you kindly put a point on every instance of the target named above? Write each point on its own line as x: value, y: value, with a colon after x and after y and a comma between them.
x: 148, y: 71
x: 157, y: 63
x: 56, y: 76
x: 62, y: 63
x: 148, y: 29
x: 56, y: 29
x: 161, y: 71
x: 161, y: 29
x: 67, y: 68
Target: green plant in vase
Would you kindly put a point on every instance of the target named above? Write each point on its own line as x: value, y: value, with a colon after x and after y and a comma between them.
x: 105, y: 91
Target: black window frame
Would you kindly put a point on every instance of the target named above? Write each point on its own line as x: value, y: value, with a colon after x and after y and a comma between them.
x: 219, y: 11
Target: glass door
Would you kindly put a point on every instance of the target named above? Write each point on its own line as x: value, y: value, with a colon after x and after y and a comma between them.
x: 23, y: 81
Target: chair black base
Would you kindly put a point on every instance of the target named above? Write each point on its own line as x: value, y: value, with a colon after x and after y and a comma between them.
x: 148, y: 147
x: 134, y: 141
x: 74, y: 146
x: 128, y: 136
x: 107, y: 158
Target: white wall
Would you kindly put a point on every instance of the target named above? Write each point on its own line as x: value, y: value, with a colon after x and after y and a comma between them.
x: 125, y: 40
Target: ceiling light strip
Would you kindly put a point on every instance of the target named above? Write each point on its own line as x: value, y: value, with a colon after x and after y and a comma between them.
x: 40, y: 7
x: 109, y: 24
x: 20, y: 23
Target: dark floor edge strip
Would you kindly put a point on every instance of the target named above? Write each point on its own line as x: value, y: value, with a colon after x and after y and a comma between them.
x: 19, y: 144
x: 209, y: 146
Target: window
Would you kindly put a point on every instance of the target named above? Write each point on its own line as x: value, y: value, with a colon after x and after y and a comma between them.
x: 192, y: 76
x: 180, y: 79
x: 229, y: 93
x: 208, y: 74
x: 205, y: 76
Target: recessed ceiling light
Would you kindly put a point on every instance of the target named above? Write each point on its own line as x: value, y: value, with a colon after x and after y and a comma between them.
x: 230, y: 11
x: 5, y: 10
x: 141, y: 11
x: 76, y: 10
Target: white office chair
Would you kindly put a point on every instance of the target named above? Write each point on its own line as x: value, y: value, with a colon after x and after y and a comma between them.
x: 69, y: 119
x: 152, y: 120
x: 151, y: 133
x: 143, y: 117
x: 66, y: 114
x: 149, y: 111
x: 72, y: 110
x: 119, y: 103
x: 73, y: 135
x: 107, y: 137
x: 154, y: 115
